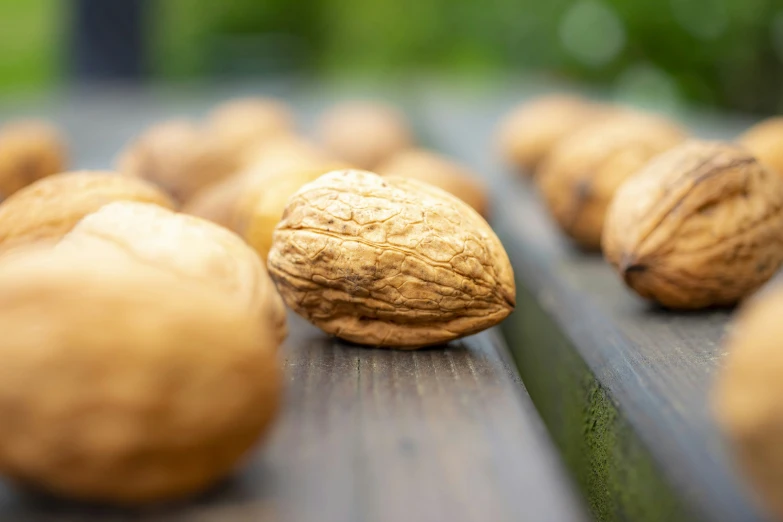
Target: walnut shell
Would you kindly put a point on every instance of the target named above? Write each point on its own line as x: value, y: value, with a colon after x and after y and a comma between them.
x: 747, y: 393
x: 439, y: 171
x: 764, y: 141
x: 50, y: 207
x: 122, y: 385
x: 699, y: 226
x: 531, y: 130
x: 581, y: 175
x: 389, y: 261
x: 29, y: 151
x: 244, y: 123
x: 179, y: 157
x: 185, y: 246
x: 364, y: 134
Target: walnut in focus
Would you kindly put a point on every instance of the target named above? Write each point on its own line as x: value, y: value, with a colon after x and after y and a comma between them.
x: 530, y: 131
x: 179, y: 157
x: 746, y: 398
x: 135, y: 387
x: 364, y: 134
x: 439, y: 171
x: 241, y: 125
x: 765, y: 141
x: 389, y: 261
x: 700, y: 225
x: 29, y: 151
x: 579, y: 178
x: 49, y: 208
x: 187, y: 247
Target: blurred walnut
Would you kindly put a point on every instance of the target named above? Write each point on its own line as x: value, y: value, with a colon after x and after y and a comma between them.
x: 582, y: 173
x: 531, y: 130
x: 49, y: 208
x: 747, y: 396
x: 243, y: 124
x: 179, y: 157
x: 185, y: 246
x: 121, y: 384
x: 364, y: 134
x: 439, y: 171
x: 700, y: 225
x: 765, y: 141
x: 29, y: 151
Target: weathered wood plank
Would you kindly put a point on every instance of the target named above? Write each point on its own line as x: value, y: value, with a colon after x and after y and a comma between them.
x: 626, y: 391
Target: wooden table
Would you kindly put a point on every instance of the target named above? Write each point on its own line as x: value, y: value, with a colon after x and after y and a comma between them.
x: 622, y: 386
x: 365, y: 435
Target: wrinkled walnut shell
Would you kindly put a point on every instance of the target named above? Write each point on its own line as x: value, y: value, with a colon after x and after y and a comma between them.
x: 581, y: 175
x: 699, y: 226
x: 764, y: 141
x: 49, y: 208
x: 184, y: 246
x: 29, y: 151
x: 364, y: 134
x: 530, y: 131
x: 389, y: 262
x: 179, y: 157
x: 439, y: 171
x: 123, y: 385
x: 747, y: 396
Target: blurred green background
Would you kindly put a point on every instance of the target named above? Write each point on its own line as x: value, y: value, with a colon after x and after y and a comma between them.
x: 719, y: 53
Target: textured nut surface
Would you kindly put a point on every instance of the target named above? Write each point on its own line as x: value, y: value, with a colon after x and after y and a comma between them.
x: 121, y: 385
x: 747, y: 394
x: 389, y: 261
x: 364, y: 134
x: 184, y: 246
x: 699, y: 226
x: 50, y: 207
x: 531, y: 130
x: 439, y: 171
x: 178, y: 156
x: 581, y: 175
x: 29, y: 151
x: 244, y: 123
x: 764, y: 141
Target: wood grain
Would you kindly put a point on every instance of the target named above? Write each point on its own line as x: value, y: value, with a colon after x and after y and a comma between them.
x: 655, y: 367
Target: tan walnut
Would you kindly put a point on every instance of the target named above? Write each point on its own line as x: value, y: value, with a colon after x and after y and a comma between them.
x: 50, y: 207
x: 746, y: 398
x: 178, y: 156
x: 243, y: 124
x: 764, y: 141
x: 364, y: 134
x: 135, y: 387
x: 188, y: 247
x: 29, y: 151
x: 440, y: 171
x: 699, y: 226
x: 531, y: 130
x: 581, y: 175
x: 389, y: 261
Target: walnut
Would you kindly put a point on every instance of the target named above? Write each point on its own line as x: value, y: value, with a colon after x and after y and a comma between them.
x: 29, y: 151
x: 364, y: 134
x: 764, y: 141
x: 388, y: 261
x: 49, y: 208
x: 121, y: 384
x: 439, y: 171
x: 178, y: 156
x: 185, y: 246
x: 531, y: 130
x: 581, y: 175
x: 699, y: 226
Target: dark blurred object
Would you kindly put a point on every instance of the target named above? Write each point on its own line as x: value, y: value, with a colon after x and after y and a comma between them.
x: 108, y: 39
